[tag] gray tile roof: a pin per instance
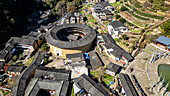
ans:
(19, 86)
(113, 67)
(104, 4)
(86, 83)
(52, 38)
(5, 51)
(127, 85)
(117, 24)
(3, 54)
(117, 50)
(101, 4)
(58, 74)
(75, 55)
(2, 63)
(17, 40)
(94, 60)
(15, 68)
(60, 87)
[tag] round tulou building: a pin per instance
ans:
(70, 38)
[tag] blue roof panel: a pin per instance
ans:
(163, 40)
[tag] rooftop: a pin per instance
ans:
(2, 63)
(53, 39)
(15, 68)
(19, 86)
(127, 85)
(60, 87)
(117, 50)
(117, 24)
(113, 67)
(56, 74)
(164, 40)
(94, 89)
(94, 60)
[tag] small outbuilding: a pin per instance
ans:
(113, 69)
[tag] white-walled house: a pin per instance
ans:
(115, 28)
(111, 49)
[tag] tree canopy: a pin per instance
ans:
(166, 29)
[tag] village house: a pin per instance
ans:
(95, 60)
(39, 37)
(85, 84)
(36, 19)
(23, 79)
(14, 70)
(115, 28)
(7, 52)
(30, 43)
(113, 69)
(51, 80)
(73, 17)
(162, 43)
(76, 63)
(2, 63)
(102, 11)
(38, 86)
(52, 74)
(95, 1)
(103, 15)
(109, 47)
(102, 6)
(127, 88)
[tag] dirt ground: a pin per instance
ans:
(139, 70)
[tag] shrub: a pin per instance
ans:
(117, 16)
(45, 60)
(15, 57)
(122, 20)
(19, 63)
(10, 62)
(138, 5)
(137, 16)
(125, 0)
(123, 8)
(44, 47)
(146, 14)
(124, 36)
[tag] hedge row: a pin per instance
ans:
(138, 5)
(137, 16)
(146, 14)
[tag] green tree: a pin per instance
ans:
(15, 57)
(117, 16)
(10, 62)
(44, 47)
(45, 60)
(123, 8)
(71, 6)
(122, 20)
(124, 36)
(166, 29)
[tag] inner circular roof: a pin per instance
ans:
(53, 39)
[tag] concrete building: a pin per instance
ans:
(70, 38)
(162, 42)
